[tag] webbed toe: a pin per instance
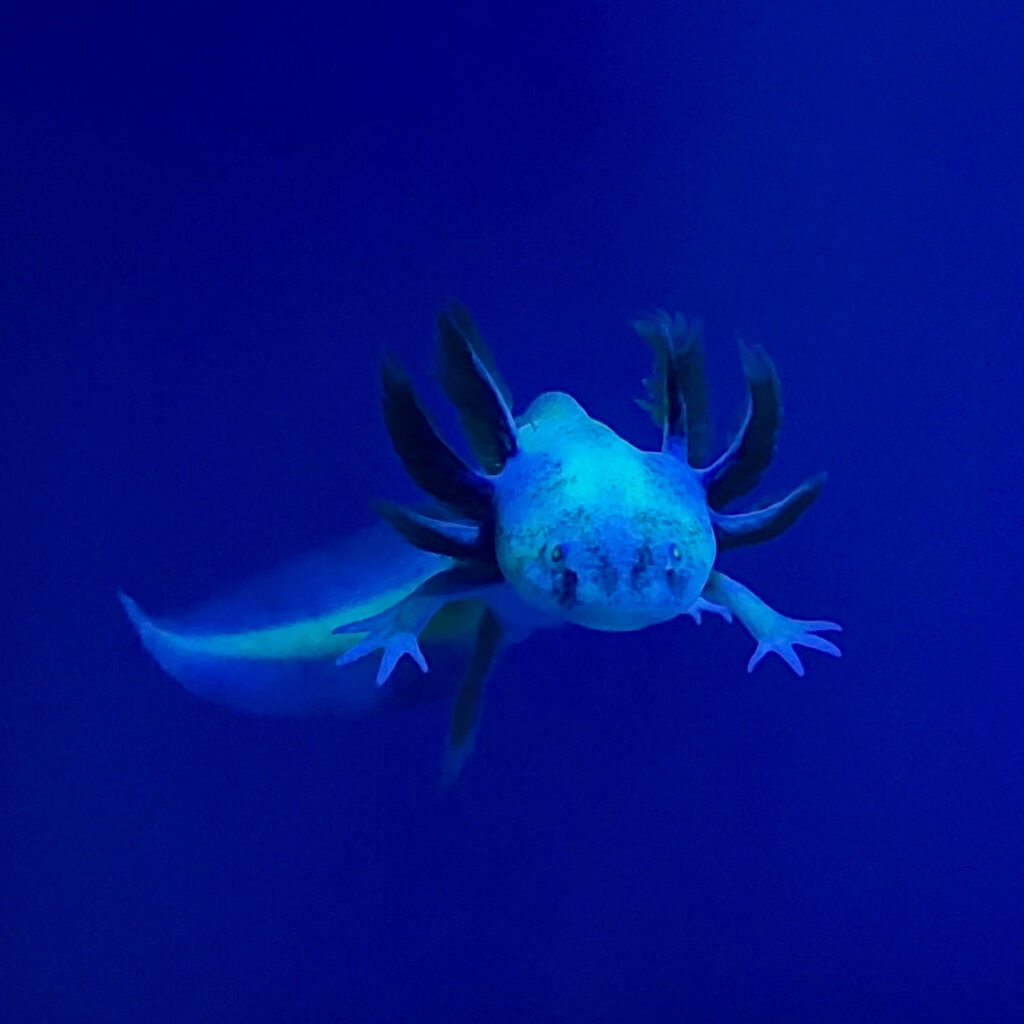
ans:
(787, 634)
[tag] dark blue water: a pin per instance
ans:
(213, 226)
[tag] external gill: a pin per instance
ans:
(679, 404)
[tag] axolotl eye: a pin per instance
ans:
(557, 553)
(676, 570)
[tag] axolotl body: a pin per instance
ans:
(562, 522)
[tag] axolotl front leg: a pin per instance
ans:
(772, 630)
(489, 610)
(395, 633)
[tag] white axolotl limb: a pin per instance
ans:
(772, 630)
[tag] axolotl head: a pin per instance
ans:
(591, 530)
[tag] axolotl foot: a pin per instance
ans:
(773, 631)
(785, 634)
(701, 605)
(395, 633)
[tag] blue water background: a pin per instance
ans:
(214, 224)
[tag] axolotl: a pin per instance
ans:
(561, 522)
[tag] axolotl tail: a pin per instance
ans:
(269, 646)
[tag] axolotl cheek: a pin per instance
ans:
(672, 572)
(547, 580)
(541, 571)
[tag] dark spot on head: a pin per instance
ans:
(640, 566)
(676, 580)
(607, 574)
(565, 587)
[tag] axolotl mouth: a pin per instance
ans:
(620, 581)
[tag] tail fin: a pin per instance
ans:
(268, 646)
